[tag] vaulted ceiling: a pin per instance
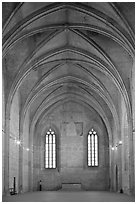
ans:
(58, 52)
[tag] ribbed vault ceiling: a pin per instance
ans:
(82, 52)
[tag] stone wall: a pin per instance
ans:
(3, 133)
(13, 145)
(26, 150)
(72, 122)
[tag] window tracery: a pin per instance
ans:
(92, 148)
(50, 149)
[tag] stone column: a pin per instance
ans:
(20, 166)
(6, 157)
(119, 158)
(132, 138)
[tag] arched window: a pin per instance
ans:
(92, 148)
(50, 149)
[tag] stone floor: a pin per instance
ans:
(69, 196)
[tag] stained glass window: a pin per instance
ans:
(92, 148)
(50, 149)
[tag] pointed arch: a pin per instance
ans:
(93, 159)
(50, 149)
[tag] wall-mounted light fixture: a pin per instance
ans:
(116, 146)
(18, 142)
(120, 142)
(112, 148)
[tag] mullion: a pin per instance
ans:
(97, 151)
(90, 150)
(52, 150)
(92, 136)
(50, 153)
(55, 164)
(45, 155)
(94, 148)
(55, 153)
(93, 145)
(55, 157)
(48, 150)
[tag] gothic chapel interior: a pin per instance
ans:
(68, 96)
